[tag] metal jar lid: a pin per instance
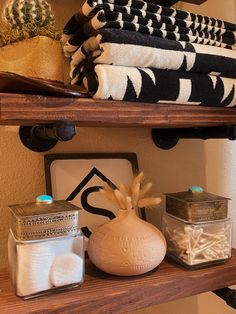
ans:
(196, 205)
(195, 194)
(44, 219)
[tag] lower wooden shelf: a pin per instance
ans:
(102, 293)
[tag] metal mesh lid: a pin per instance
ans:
(44, 218)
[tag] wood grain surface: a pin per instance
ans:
(18, 109)
(102, 293)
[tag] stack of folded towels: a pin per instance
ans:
(136, 50)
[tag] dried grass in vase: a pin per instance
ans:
(130, 197)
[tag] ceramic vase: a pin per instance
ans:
(126, 245)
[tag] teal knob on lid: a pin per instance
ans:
(44, 199)
(196, 189)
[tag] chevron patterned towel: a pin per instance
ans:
(126, 48)
(158, 86)
(148, 18)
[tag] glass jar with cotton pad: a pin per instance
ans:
(45, 247)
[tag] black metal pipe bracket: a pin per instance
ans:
(41, 138)
(168, 138)
(228, 295)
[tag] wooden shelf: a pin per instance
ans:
(29, 109)
(102, 293)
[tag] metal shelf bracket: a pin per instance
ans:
(41, 138)
(168, 138)
(228, 295)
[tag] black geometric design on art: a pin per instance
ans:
(93, 210)
(88, 177)
(84, 197)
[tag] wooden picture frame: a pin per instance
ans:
(78, 177)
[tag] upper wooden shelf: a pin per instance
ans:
(102, 293)
(30, 109)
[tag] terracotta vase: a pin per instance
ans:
(126, 245)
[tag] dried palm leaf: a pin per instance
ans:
(128, 197)
(150, 201)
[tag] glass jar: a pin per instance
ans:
(45, 247)
(197, 244)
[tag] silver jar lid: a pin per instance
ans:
(44, 218)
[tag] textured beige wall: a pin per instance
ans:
(21, 179)
(216, 8)
(182, 306)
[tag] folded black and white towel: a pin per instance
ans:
(130, 22)
(157, 86)
(126, 48)
(117, 14)
(169, 23)
(144, 8)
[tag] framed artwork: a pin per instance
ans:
(78, 178)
